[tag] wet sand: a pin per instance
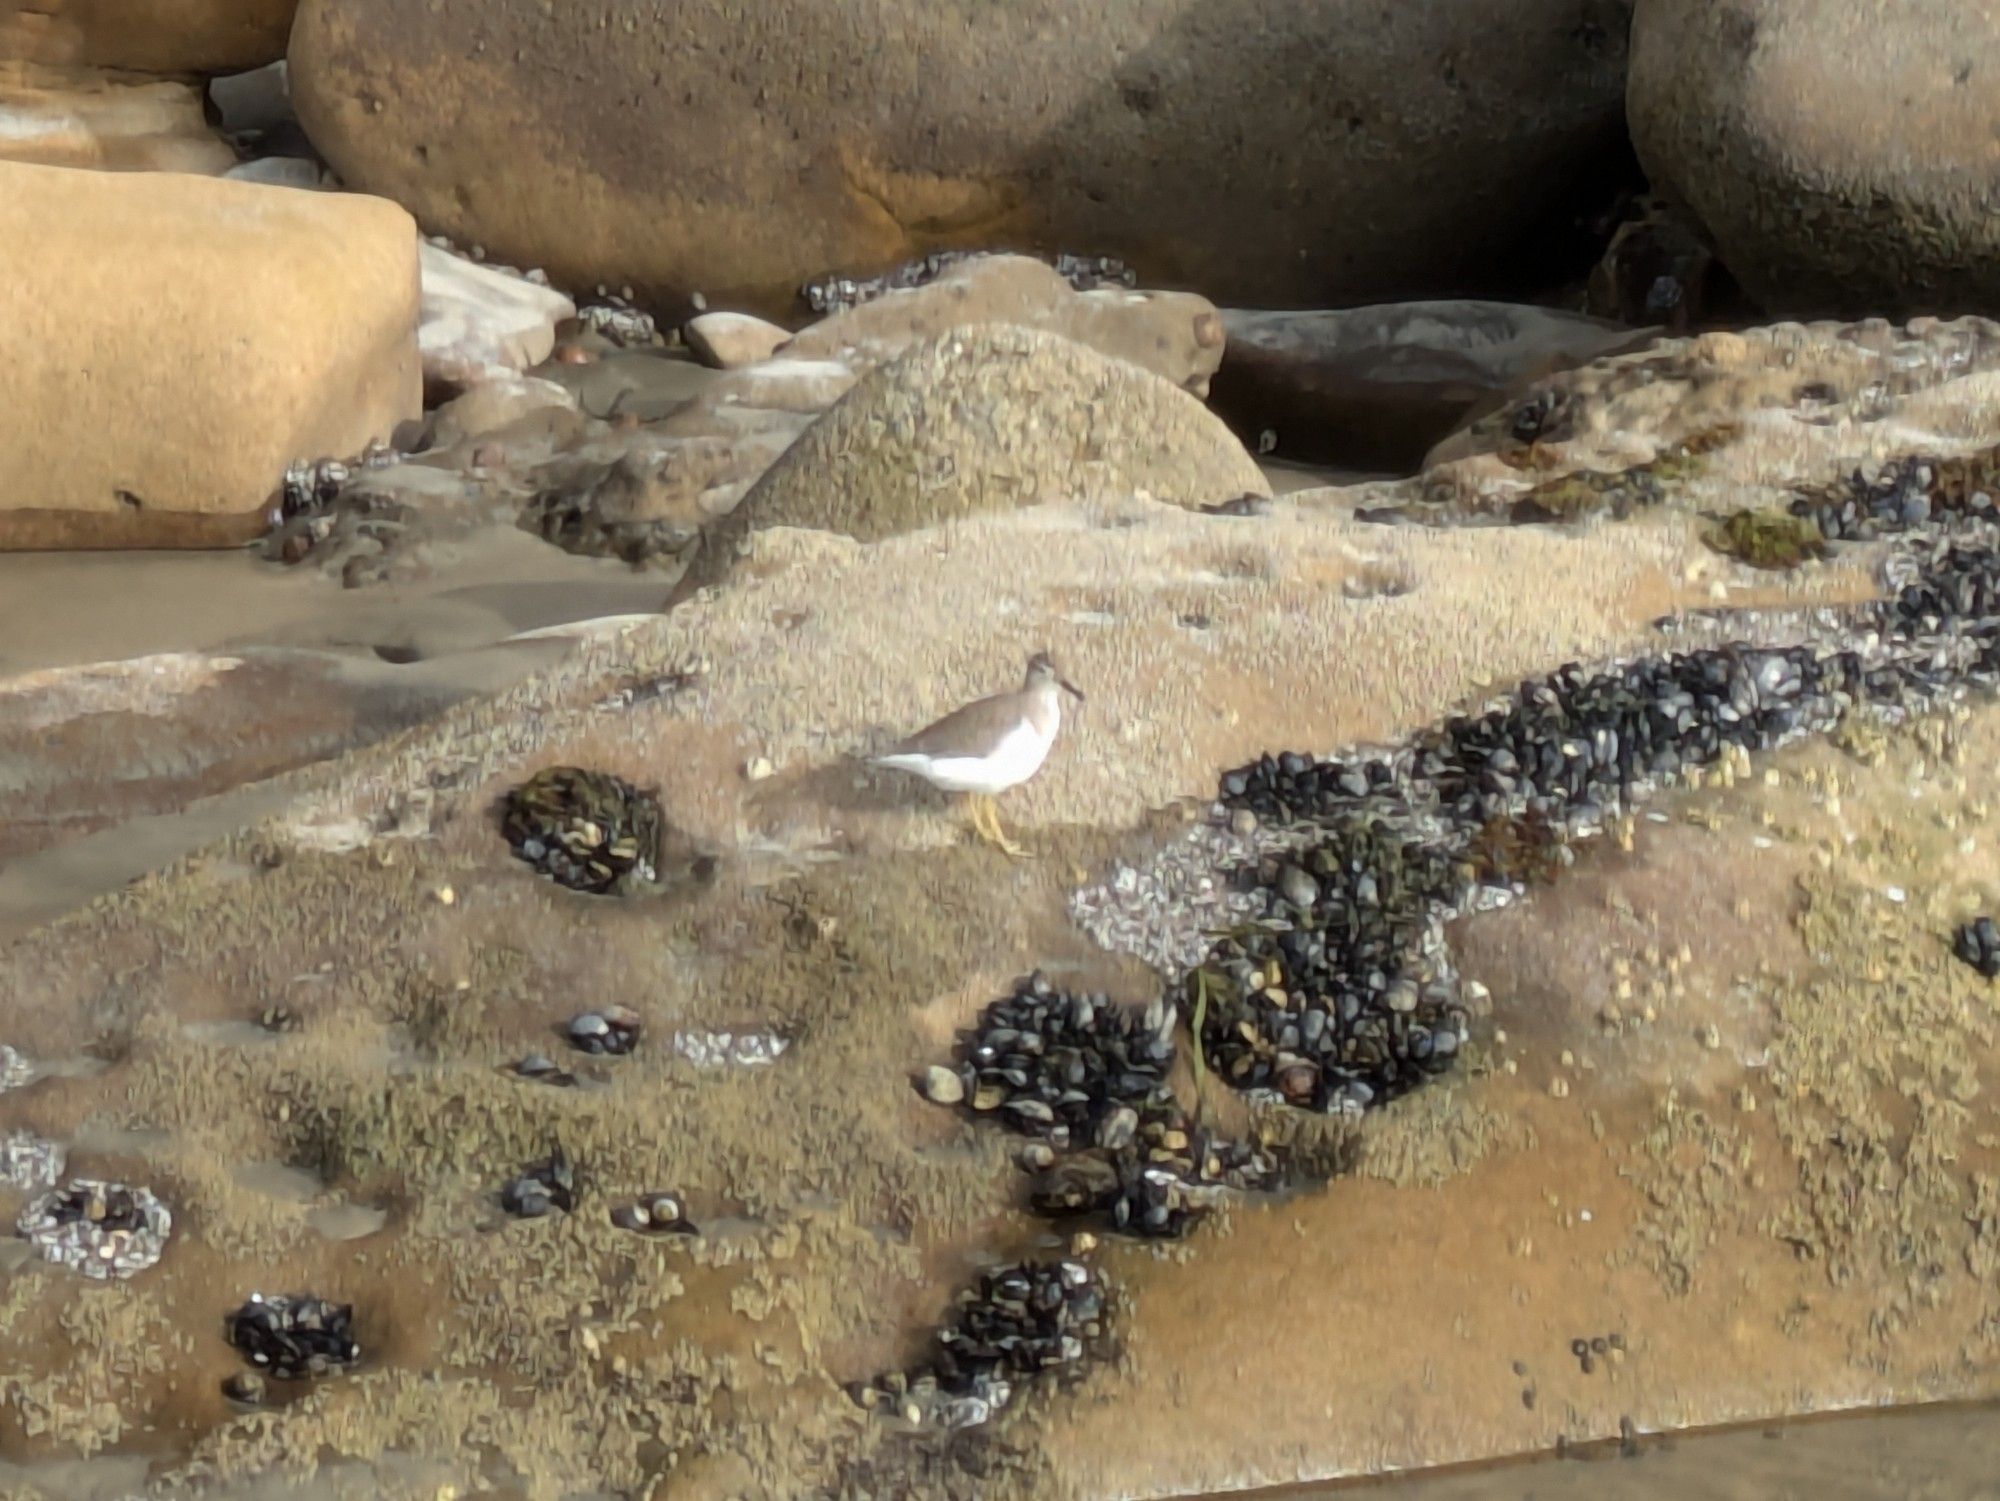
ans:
(260, 669)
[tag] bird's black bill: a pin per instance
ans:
(1071, 688)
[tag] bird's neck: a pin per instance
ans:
(1048, 701)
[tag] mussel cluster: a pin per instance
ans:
(613, 1030)
(1338, 1001)
(1978, 944)
(1342, 998)
(834, 294)
(541, 1187)
(1052, 1063)
(1088, 1080)
(293, 1338)
(612, 315)
(28, 1161)
(587, 830)
(1019, 1323)
(1153, 1172)
(1905, 493)
(103, 1230)
(312, 485)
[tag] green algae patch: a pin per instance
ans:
(1768, 539)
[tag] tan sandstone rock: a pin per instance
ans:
(1840, 154)
(987, 418)
(729, 341)
(1176, 335)
(148, 36)
(738, 150)
(83, 117)
(173, 343)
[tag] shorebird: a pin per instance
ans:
(990, 745)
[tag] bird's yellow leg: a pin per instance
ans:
(975, 816)
(987, 826)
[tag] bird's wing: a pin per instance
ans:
(951, 732)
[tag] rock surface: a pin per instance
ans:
(479, 323)
(1807, 403)
(845, 920)
(490, 406)
(1221, 147)
(1176, 335)
(1840, 155)
(729, 341)
(292, 317)
(81, 117)
(1376, 387)
(284, 172)
(986, 418)
(148, 36)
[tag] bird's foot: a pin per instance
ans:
(986, 824)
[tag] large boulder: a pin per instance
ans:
(1842, 155)
(148, 36)
(156, 398)
(82, 117)
(983, 419)
(1262, 151)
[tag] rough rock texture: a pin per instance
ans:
(80, 117)
(1375, 387)
(1840, 154)
(1787, 404)
(986, 418)
(148, 36)
(291, 318)
(1176, 335)
(738, 150)
(419, 957)
(479, 323)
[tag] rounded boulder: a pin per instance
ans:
(986, 418)
(1261, 151)
(148, 36)
(1841, 155)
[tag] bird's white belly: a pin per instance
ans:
(1018, 756)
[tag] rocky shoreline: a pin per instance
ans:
(1507, 963)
